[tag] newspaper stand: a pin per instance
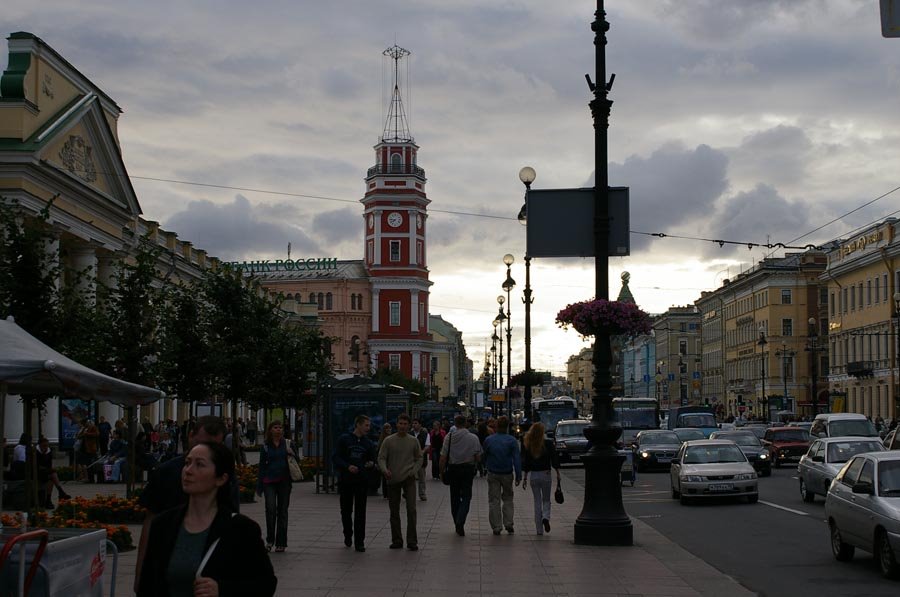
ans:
(66, 562)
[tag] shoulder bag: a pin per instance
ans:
(293, 465)
(558, 496)
(445, 474)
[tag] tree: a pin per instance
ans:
(184, 361)
(386, 376)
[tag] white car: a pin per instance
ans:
(863, 509)
(825, 459)
(712, 468)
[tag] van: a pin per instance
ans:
(842, 425)
(698, 417)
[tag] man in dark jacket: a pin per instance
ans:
(354, 458)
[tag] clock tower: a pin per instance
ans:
(395, 216)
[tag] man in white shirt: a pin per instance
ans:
(461, 452)
(424, 440)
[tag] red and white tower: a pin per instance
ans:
(395, 223)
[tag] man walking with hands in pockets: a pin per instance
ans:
(354, 458)
(400, 459)
(502, 458)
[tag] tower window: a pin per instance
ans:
(396, 163)
(394, 360)
(395, 312)
(395, 250)
(370, 252)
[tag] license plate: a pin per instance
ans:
(721, 487)
(576, 456)
(663, 460)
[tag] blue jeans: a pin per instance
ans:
(461, 478)
(278, 497)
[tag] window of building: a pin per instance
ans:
(421, 315)
(329, 301)
(868, 292)
(787, 327)
(370, 251)
(359, 302)
(853, 298)
(682, 347)
(845, 304)
(395, 250)
(312, 297)
(785, 296)
(420, 252)
(395, 312)
(831, 305)
(823, 296)
(788, 368)
(682, 326)
(321, 300)
(394, 360)
(396, 163)
(353, 302)
(860, 295)
(877, 290)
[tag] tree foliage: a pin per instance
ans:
(386, 376)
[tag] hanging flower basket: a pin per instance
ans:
(598, 316)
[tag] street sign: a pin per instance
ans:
(498, 398)
(695, 383)
(646, 377)
(671, 377)
(561, 223)
(890, 18)
(696, 375)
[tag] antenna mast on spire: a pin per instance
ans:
(396, 127)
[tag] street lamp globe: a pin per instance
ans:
(501, 299)
(812, 321)
(527, 175)
(508, 259)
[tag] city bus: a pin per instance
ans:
(551, 411)
(635, 414)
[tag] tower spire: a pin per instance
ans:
(396, 128)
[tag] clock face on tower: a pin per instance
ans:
(394, 219)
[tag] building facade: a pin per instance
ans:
(861, 281)
(580, 378)
(639, 367)
(678, 358)
(712, 347)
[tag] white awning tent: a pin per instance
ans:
(27, 365)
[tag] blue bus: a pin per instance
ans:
(551, 411)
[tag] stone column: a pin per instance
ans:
(416, 364)
(52, 249)
(414, 311)
(107, 269)
(83, 261)
(375, 310)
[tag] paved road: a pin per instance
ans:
(779, 546)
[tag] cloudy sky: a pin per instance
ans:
(747, 120)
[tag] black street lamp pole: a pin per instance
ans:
(527, 176)
(501, 317)
(508, 285)
(814, 364)
(603, 520)
(764, 403)
(897, 352)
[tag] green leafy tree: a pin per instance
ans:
(386, 376)
(184, 362)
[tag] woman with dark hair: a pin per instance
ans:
(20, 455)
(204, 549)
(538, 457)
(274, 482)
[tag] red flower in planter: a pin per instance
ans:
(590, 318)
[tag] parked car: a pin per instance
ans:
(756, 429)
(863, 509)
(757, 454)
(801, 424)
(699, 417)
(686, 434)
(824, 460)
(712, 468)
(571, 444)
(786, 444)
(842, 425)
(655, 448)
(892, 440)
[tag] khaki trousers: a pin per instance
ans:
(408, 489)
(500, 488)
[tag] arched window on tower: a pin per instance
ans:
(312, 297)
(329, 302)
(353, 302)
(396, 163)
(321, 301)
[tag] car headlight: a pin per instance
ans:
(763, 455)
(745, 476)
(560, 444)
(693, 479)
(645, 454)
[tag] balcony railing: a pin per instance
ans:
(396, 169)
(860, 368)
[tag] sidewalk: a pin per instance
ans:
(524, 564)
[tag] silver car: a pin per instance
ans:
(712, 468)
(824, 460)
(863, 509)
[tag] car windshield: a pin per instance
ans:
(686, 435)
(711, 454)
(570, 430)
(840, 452)
(757, 430)
(741, 439)
(697, 420)
(889, 478)
(790, 435)
(659, 438)
(858, 427)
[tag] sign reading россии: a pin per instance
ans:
(289, 265)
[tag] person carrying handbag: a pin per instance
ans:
(274, 482)
(538, 457)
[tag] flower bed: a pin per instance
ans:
(118, 534)
(247, 476)
(104, 509)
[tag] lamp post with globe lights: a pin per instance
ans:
(508, 285)
(501, 317)
(813, 348)
(527, 176)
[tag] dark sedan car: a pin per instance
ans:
(655, 448)
(751, 446)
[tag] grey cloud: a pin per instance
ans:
(288, 173)
(339, 226)
(778, 155)
(235, 231)
(339, 83)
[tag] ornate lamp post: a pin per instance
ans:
(508, 285)
(813, 348)
(786, 355)
(527, 176)
(501, 317)
(602, 520)
(764, 403)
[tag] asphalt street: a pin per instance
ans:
(779, 546)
